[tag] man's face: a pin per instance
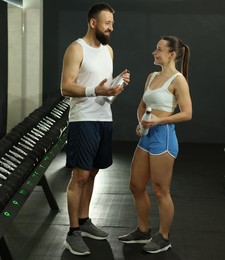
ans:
(104, 27)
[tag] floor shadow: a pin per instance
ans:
(135, 251)
(100, 250)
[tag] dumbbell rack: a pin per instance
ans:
(36, 175)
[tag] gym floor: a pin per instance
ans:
(198, 232)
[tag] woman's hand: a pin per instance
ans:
(150, 122)
(138, 130)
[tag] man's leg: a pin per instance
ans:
(87, 228)
(74, 241)
(87, 194)
(75, 191)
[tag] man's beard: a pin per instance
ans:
(102, 38)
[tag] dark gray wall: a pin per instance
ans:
(138, 27)
(3, 68)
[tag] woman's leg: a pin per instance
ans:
(161, 175)
(140, 175)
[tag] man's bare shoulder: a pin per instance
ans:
(110, 50)
(74, 47)
(74, 51)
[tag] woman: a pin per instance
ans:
(155, 153)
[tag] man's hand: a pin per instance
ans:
(103, 90)
(126, 76)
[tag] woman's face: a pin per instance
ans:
(162, 54)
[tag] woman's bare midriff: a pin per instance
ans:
(160, 113)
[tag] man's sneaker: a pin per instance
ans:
(157, 244)
(88, 229)
(136, 236)
(76, 245)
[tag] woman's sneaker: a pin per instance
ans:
(76, 245)
(157, 244)
(136, 236)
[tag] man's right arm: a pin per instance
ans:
(71, 64)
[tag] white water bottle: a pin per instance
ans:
(146, 116)
(117, 81)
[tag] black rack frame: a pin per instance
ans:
(36, 178)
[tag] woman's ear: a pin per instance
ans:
(173, 55)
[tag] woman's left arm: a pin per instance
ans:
(182, 94)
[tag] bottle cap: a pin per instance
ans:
(148, 110)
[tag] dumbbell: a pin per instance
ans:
(50, 119)
(33, 152)
(61, 107)
(10, 179)
(12, 158)
(5, 146)
(10, 183)
(24, 169)
(24, 145)
(60, 120)
(21, 170)
(7, 166)
(19, 145)
(66, 101)
(55, 114)
(10, 163)
(44, 139)
(53, 130)
(25, 151)
(57, 111)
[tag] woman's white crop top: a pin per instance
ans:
(161, 98)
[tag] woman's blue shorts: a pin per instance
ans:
(160, 139)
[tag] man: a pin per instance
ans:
(87, 65)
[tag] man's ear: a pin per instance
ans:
(92, 23)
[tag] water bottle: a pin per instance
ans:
(117, 81)
(146, 116)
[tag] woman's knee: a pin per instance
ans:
(136, 188)
(159, 191)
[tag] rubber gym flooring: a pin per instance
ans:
(198, 232)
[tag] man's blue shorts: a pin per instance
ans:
(89, 145)
(160, 139)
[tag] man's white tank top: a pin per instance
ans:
(96, 65)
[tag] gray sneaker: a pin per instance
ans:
(88, 229)
(76, 245)
(136, 236)
(157, 244)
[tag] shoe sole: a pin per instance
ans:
(67, 246)
(159, 250)
(85, 234)
(136, 241)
